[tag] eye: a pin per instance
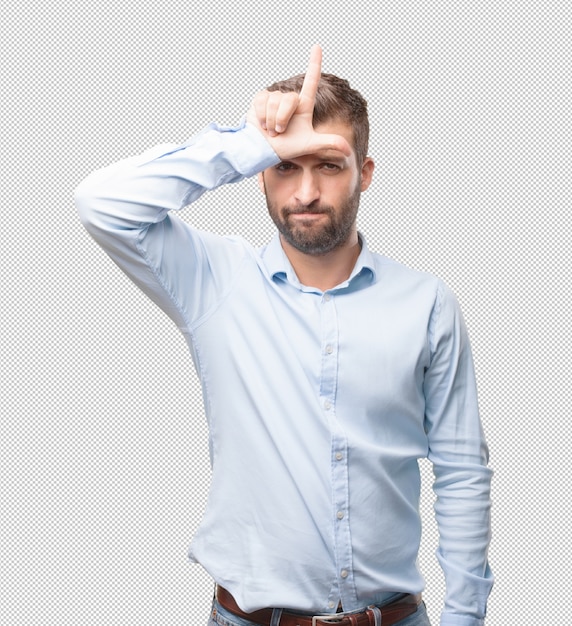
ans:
(330, 167)
(285, 166)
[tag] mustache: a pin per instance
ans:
(315, 209)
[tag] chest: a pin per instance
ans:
(368, 343)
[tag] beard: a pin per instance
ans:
(321, 236)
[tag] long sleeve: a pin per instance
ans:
(459, 454)
(125, 207)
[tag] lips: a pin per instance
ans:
(305, 211)
(305, 218)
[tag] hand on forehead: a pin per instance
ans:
(286, 118)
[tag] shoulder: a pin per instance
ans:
(389, 270)
(421, 290)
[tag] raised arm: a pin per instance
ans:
(126, 206)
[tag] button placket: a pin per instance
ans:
(339, 458)
(329, 369)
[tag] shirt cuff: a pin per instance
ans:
(246, 147)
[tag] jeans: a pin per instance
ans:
(221, 617)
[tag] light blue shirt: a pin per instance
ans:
(319, 404)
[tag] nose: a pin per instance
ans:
(308, 190)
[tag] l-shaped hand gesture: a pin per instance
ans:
(286, 118)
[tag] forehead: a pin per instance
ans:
(336, 126)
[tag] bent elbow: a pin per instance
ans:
(85, 200)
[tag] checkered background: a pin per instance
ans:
(103, 451)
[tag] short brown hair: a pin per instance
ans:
(335, 100)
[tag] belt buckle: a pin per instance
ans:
(334, 617)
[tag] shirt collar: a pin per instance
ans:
(278, 265)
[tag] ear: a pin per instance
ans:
(261, 185)
(366, 173)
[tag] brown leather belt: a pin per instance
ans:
(390, 613)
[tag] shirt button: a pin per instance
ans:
(340, 515)
(331, 604)
(339, 456)
(344, 573)
(327, 297)
(329, 349)
(327, 405)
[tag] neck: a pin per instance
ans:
(327, 270)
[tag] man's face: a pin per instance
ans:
(313, 199)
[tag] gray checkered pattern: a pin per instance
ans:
(103, 452)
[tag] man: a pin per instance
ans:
(327, 371)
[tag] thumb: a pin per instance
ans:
(292, 147)
(325, 141)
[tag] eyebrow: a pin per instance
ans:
(326, 156)
(331, 156)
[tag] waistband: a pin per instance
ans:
(387, 614)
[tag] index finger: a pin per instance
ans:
(313, 74)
